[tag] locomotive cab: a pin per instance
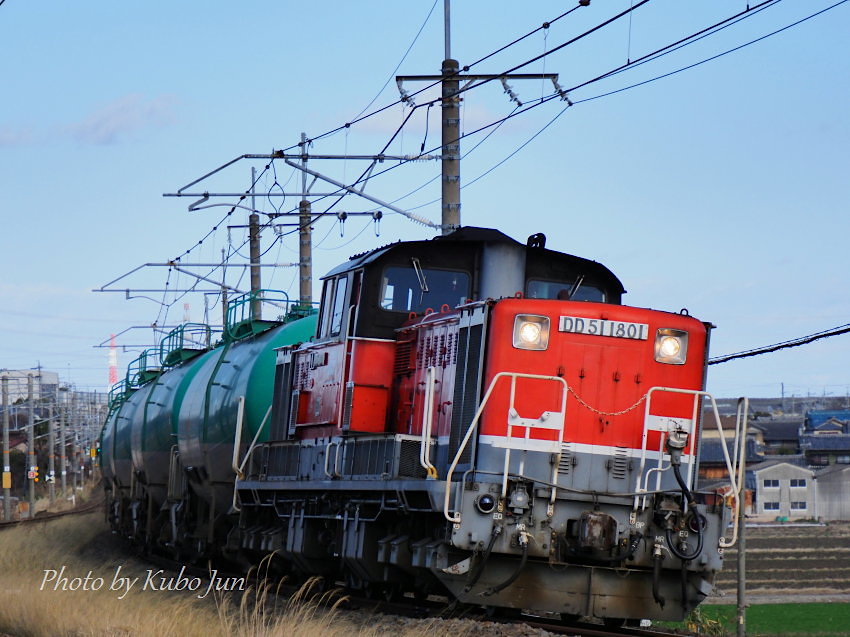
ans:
(345, 384)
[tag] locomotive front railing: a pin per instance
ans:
(552, 421)
(666, 425)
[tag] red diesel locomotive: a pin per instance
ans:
(485, 418)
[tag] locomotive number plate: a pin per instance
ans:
(601, 327)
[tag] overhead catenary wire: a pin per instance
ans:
(400, 62)
(562, 94)
(638, 61)
(796, 342)
(545, 25)
(663, 51)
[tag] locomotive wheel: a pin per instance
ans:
(570, 618)
(502, 611)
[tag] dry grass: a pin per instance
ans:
(32, 608)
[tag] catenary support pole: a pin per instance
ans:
(51, 455)
(32, 461)
(305, 239)
(223, 290)
(7, 468)
(63, 463)
(254, 241)
(450, 147)
(74, 430)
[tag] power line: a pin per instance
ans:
(713, 57)
(803, 340)
(537, 103)
(366, 176)
(401, 61)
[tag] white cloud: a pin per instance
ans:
(124, 117)
(14, 137)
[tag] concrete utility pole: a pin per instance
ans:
(450, 79)
(450, 129)
(51, 456)
(742, 546)
(63, 464)
(305, 238)
(451, 143)
(742, 566)
(7, 467)
(254, 242)
(223, 288)
(74, 427)
(33, 461)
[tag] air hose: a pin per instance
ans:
(686, 493)
(475, 575)
(657, 558)
(495, 589)
(680, 554)
(689, 497)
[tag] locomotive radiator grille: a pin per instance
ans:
(567, 458)
(382, 457)
(283, 460)
(618, 464)
(465, 401)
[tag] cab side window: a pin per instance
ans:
(338, 313)
(333, 311)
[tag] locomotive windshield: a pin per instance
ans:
(540, 289)
(409, 289)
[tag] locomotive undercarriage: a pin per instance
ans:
(584, 554)
(358, 510)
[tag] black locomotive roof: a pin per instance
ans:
(470, 235)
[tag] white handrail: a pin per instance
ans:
(337, 444)
(642, 481)
(427, 424)
(734, 465)
(473, 425)
(740, 452)
(239, 467)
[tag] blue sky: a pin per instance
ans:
(722, 189)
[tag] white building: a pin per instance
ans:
(44, 383)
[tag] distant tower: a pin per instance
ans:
(113, 361)
(185, 312)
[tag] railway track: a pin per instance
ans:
(432, 609)
(88, 507)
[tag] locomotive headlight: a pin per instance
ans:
(531, 331)
(671, 346)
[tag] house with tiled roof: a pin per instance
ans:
(781, 436)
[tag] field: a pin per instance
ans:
(774, 620)
(787, 565)
(38, 603)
